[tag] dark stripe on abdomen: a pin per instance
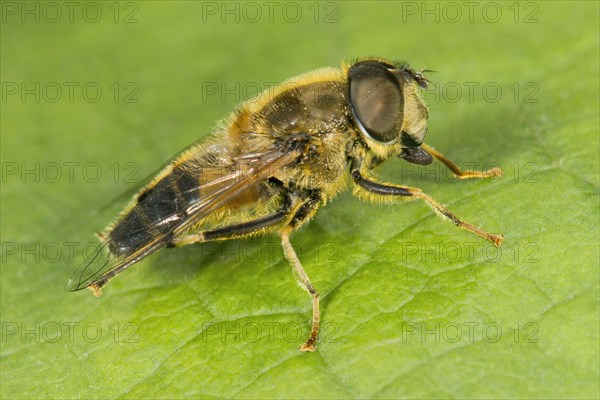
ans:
(158, 210)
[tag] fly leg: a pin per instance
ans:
(236, 231)
(375, 190)
(304, 207)
(304, 281)
(302, 215)
(460, 174)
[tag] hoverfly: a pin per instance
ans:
(274, 162)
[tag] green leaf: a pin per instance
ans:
(412, 307)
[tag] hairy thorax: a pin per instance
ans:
(311, 119)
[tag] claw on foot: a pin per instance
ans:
(97, 290)
(497, 240)
(308, 346)
(493, 172)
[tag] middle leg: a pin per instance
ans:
(302, 214)
(460, 174)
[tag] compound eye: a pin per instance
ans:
(376, 101)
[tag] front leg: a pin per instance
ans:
(460, 174)
(383, 191)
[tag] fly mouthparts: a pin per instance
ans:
(416, 155)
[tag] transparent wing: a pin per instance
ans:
(127, 194)
(143, 238)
